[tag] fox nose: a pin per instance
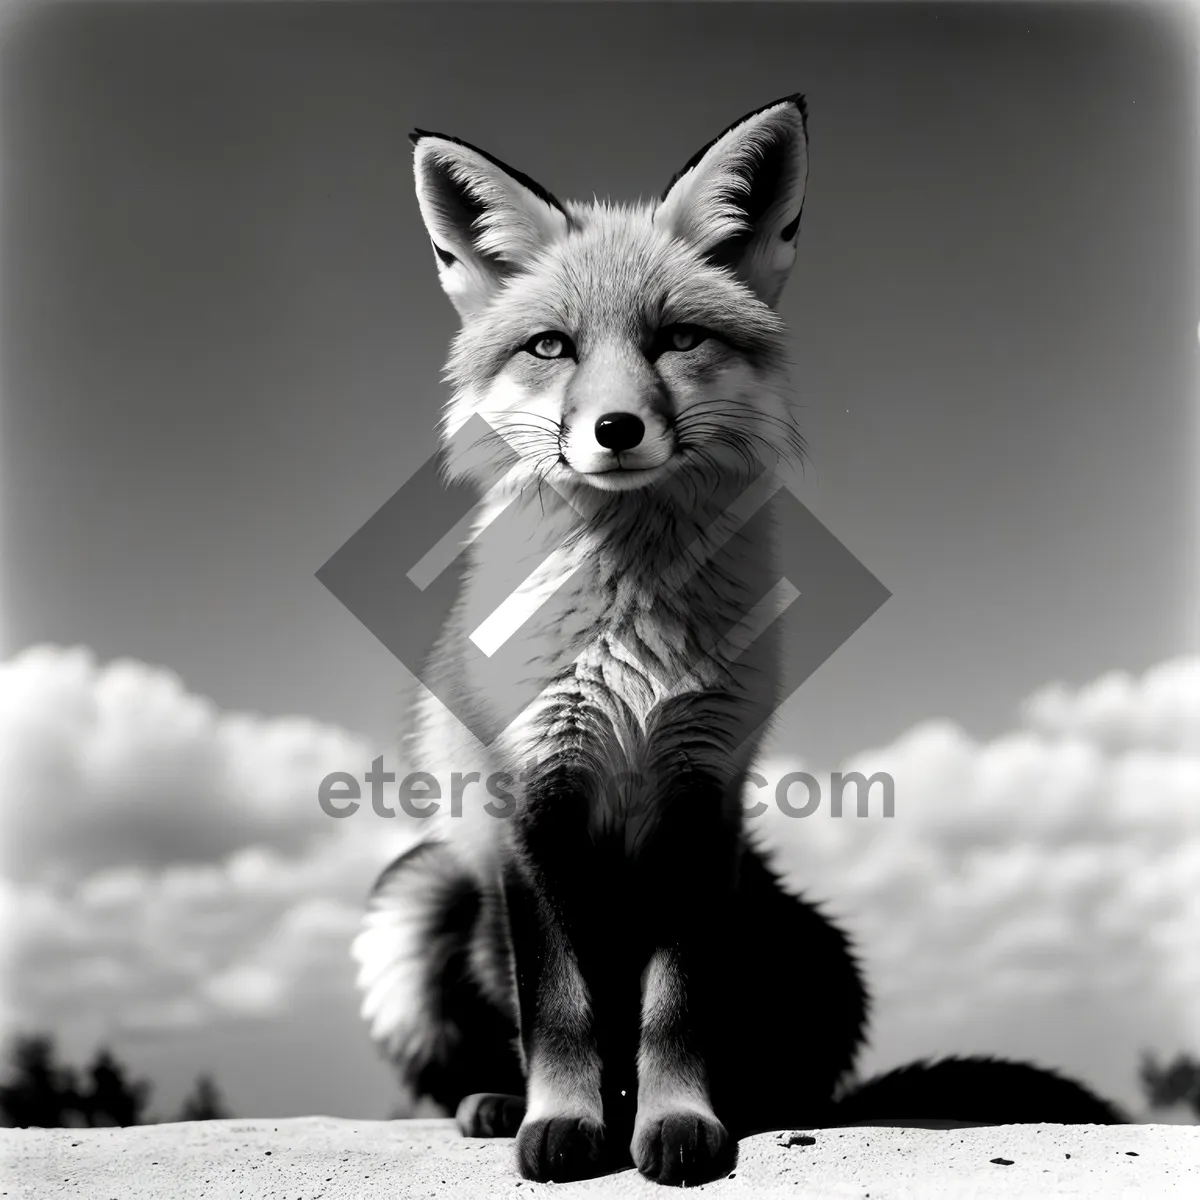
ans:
(619, 431)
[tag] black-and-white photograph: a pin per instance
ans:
(599, 594)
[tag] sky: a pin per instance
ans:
(220, 344)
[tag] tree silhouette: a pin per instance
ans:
(112, 1098)
(204, 1102)
(1176, 1082)
(38, 1090)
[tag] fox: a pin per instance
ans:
(607, 968)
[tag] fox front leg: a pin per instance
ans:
(562, 1135)
(687, 872)
(677, 1137)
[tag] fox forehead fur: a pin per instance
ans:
(710, 257)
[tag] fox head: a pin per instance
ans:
(612, 347)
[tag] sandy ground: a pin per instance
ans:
(363, 1160)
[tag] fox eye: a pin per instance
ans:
(550, 344)
(681, 338)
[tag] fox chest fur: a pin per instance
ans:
(623, 620)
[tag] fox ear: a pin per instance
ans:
(485, 219)
(739, 198)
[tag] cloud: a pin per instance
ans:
(131, 950)
(1037, 894)
(167, 865)
(1159, 710)
(121, 765)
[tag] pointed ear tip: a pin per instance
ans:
(418, 135)
(786, 107)
(798, 101)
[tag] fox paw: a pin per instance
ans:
(490, 1114)
(683, 1147)
(560, 1149)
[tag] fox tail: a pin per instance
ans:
(987, 1091)
(433, 993)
